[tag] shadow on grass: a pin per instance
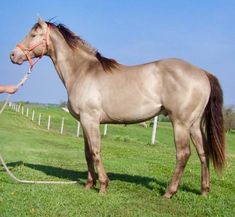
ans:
(148, 182)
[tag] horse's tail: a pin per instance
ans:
(214, 125)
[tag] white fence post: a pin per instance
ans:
(49, 122)
(154, 130)
(22, 110)
(39, 119)
(32, 116)
(27, 112)
(62, 126)
(105, 129)
(78, 128)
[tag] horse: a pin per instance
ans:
(101, 90)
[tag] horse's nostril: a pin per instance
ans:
(12, 54)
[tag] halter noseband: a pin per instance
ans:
(27, 51)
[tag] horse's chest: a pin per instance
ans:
(84, 99)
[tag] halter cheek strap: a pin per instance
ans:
(27, 50)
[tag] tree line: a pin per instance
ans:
(229, 118)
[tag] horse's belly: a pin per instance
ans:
(131, 96)
(131, 111)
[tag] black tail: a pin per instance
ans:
(214, 125)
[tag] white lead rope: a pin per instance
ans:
(5, 103)
(31, 181)
(21, 83)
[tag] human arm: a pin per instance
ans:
(8, 89)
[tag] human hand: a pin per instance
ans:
(11, 89)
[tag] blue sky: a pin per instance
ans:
(133, 32)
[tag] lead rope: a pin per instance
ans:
(21, 83)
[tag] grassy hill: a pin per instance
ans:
(139, 172)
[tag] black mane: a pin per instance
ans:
(74, 41)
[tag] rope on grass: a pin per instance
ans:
(21, 83)
(31, 181)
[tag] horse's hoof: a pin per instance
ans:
(102, 192)
(103, 187)
(168, 195)
(204, 193)
(89, 185)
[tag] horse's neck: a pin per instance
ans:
(68, 62)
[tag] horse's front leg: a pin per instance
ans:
(91, 176)
(90, 125)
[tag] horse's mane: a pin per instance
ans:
(74, 42)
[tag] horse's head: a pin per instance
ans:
(35, 44)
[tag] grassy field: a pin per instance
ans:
(139, 172)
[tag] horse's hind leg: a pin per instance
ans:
(197, 138)
(181, 134)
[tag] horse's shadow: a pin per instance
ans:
(148, 182)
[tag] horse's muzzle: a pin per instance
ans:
(17, 56)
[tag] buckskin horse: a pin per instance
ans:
(101, 90)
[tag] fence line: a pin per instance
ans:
(18, 107)
(32, 116)
(62, 126)
(49, 122)
(105, 129)
(27, 112)
(39, 119)
(78, 128)
(154, 130)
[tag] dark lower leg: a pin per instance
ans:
(103, 178)
(180, 165)
(91, 176)
(205, 175)
(182, 155)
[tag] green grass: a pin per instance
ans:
(139, 172)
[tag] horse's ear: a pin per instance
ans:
(41, 22)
